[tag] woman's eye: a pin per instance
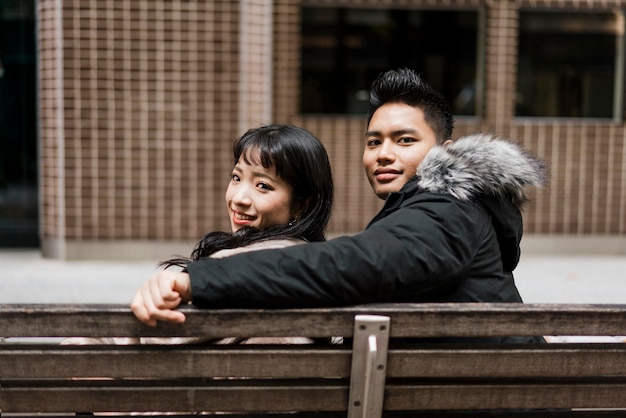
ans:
(264, 186)
(234, 177)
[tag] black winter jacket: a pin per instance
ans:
(451, 234)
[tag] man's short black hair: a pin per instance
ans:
(406, 86)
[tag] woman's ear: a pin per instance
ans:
(303, 207)
(448, 142)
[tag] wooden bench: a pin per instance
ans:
(370, 374)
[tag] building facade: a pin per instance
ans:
(140, 101)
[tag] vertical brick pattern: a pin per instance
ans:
(587, 190)
(500, 57)
(256, 51)
(51, 182)
(286, 47)
(150, 111)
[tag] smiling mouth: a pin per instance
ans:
(242, 218)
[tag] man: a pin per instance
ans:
(449, 230)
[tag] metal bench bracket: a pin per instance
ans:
(369, 366)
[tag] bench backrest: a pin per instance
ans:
(362, 378)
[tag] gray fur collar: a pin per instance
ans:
(481, 164)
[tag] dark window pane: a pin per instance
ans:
(18, 125)
(343, 50)
(566, 64)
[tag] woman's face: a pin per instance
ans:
(257, 197)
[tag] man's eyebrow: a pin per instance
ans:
(394, 133)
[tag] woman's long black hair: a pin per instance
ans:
(301, 160)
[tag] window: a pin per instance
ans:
(19, 210)
(344, 49)
(569, 65)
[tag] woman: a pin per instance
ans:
(280, 194)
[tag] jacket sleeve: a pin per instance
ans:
(418, 248)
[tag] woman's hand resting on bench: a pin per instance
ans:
(157, 298)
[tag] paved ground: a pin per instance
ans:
(26, 277)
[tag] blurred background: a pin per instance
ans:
(117, 117)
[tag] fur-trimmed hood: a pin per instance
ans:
(481, 164)
(484, 165)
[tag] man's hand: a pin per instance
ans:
(157, 298)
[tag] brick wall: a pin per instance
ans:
(138, 112)
(140, 101)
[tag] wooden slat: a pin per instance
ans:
(36, 362)
(178, 362)
(501, 395)
(506, 319)
(548, 360)
(330, 396)
(409, 320)
(178, 397)
(527, 413)
(593, 413)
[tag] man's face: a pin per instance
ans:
(397, 140)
